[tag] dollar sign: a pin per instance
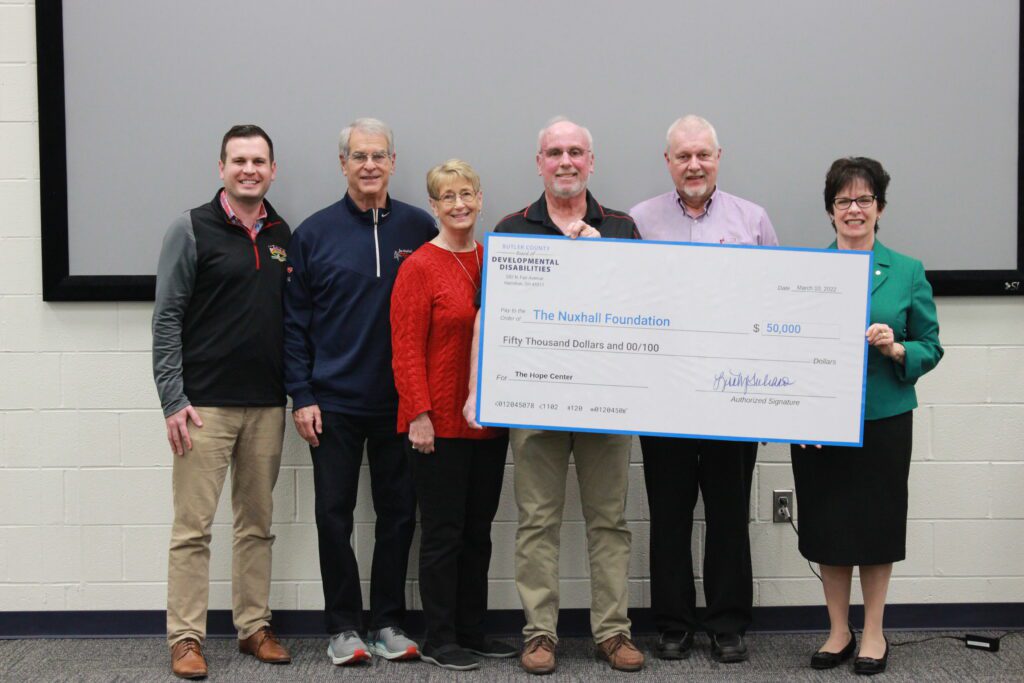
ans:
(757, 328)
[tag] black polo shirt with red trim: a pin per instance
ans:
(535, 220)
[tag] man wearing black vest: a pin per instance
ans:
(217, 362)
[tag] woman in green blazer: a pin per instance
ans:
(853, 501)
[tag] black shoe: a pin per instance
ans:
(869, 666)
(450, 657)
(674, 645)
(489, 647)
(728, 648)
(830, 660)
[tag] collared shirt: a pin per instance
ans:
(726, 219)
(535, 220)
(235, 220)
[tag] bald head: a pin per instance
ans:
(565, 158)
(562, 123)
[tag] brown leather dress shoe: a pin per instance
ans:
(620, 652)
(538, 655)
(264, 646)
(187, 660)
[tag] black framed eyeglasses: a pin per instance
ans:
(863, 201)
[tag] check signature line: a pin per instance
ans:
(583, 384)
(631, 327)
(761, 393)
(661, 355)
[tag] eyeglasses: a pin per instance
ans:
(362, 157)
(451, 199)
(555, 153)
(863, 201)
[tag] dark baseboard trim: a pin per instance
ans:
(572, 622)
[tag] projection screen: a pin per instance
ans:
(136, 94)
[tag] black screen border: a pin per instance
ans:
(60, 285)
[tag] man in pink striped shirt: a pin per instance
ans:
(696, 210)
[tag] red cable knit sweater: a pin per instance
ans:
(432, 316)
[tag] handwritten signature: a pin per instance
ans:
(745, 381)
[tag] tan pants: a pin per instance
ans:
(249, 441)
(602, 469)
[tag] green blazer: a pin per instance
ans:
(901, 298)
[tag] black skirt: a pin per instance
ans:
(851, 503)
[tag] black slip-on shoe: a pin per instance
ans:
(869, 666)
(830, 660)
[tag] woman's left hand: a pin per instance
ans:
(421, 433)
(882, 338)
(469, 412)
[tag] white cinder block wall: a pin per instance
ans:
(85, 478)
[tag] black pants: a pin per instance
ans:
(336, 465)
(458, 486)
(674, 469)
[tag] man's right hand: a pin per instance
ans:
(177, 429)
(580, 228)
(308, 423)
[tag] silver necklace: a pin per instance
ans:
(476, 287)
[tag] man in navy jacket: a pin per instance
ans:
(342, 266)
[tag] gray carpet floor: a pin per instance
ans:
(773, 657)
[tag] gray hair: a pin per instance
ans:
(691, 121)
(366, 125)
(562, 119)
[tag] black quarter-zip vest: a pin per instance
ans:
(232, 337)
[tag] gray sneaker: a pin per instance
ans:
(391, 642)
(347, 648)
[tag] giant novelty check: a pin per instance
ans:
(711, 341)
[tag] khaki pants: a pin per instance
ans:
(249, 441)
(602, 469)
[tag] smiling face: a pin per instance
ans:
(565, 160)
(692, 159)
(855, 225)
(247, 170)
(368, 167)
(457, 205)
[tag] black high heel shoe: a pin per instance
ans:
(869, 666)
(830, 660)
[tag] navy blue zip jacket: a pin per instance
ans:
(337, 302)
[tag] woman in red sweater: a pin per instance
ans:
(457, 470)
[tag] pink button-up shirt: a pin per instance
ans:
(726, 219)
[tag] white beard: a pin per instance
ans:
(563, 192)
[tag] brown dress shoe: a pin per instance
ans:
(187, 660)
(264, 646)
(538, 655)
(620, 652)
